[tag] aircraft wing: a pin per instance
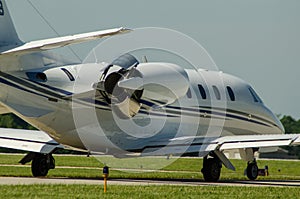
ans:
(27, 140)
(48, 44)
(258, 141)
(182, 145)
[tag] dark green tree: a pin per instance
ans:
(291, 126)
(13, 121)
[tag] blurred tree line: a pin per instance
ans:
(290, 124)
(14, 122)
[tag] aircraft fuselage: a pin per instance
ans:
(53, 100)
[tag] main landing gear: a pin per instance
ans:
(41, 163)
(212, 164)
(252, 170)
(248, 155)
(211, 168)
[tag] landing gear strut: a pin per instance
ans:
(211, 169)
(252, 170)
(247, 154)
(41, 163)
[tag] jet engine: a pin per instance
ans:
(126, 82)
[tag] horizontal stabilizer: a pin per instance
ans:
(48, 44)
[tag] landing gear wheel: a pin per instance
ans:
(41, 164)
(211, 169)
(252, 170)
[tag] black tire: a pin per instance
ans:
(211, 169)
(252, 171)
(39, 166)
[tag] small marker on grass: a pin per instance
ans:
(105, 176)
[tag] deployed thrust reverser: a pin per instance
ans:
(125, 82)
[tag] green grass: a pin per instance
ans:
(114, 191)
(188, 168)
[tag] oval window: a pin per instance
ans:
(217, 92)
(202, 91)
(230, 93)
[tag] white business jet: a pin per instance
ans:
(126, 108)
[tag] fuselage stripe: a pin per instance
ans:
(171, 111)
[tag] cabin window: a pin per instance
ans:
(1, 9)
(217, 92)
(70, 76)
(202, 91)
(254, 95)
(230, 93)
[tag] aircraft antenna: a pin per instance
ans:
(53, 29)
(145, 59)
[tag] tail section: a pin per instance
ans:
(8, 34)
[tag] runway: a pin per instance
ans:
(179, 182)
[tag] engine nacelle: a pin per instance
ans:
(126, 81)
(163, 82)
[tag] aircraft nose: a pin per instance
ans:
(280, 126)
